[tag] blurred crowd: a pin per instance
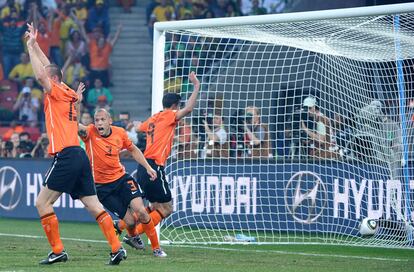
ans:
(170, 10)
(74, 34)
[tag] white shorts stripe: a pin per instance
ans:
(163, 182)
(50, 170)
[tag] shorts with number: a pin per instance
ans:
(154, 190)
(71, 173)
(117, 195)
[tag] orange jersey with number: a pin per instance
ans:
(103, 153)
(60, 117)
(160, 129)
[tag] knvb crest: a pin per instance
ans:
(305, 197)
(11, 188)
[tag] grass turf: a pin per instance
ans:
(23, 244)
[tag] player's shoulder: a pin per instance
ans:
(167, 113)
(117, 130)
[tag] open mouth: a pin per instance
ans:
(100, 129)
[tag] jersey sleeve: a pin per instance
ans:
(144, 126)
(58, 93)
(171, 117)
(88, 133)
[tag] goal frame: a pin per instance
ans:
(160, 29)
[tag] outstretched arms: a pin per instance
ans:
(37, 57)
(192, 101)
(116, 37)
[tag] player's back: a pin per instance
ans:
(103, 153)
(160, 129)
(61, 117)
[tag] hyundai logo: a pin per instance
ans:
(305, 197)
(11, 188)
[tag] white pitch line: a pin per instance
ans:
(229, 249)
(300, 253)
(42, 237)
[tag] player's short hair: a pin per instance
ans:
(55, 70)
(170, 99)
(104, 111)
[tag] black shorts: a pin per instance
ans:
(154, 190)
(71, 173)
(117, 195)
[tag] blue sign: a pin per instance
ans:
(313, 197)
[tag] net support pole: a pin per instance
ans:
(401, 91)
(157, 80)
(158, 70)
(286, 17)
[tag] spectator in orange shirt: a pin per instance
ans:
(14, 128)
(43, 36)
(99, 53)
(55, 21)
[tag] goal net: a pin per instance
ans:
(304, 127)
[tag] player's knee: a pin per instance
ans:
(167, 209)
(129, 221)
(143, 216)
(41, 204)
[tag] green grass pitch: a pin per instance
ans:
(23, 244)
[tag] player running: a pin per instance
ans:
(70, 171)
(160, 129)
(117, 190)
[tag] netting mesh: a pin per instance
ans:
(302, 130)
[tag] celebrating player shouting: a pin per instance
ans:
(70, 171)
(117, 190)
(160, 130)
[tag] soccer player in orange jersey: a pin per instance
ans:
(117, 190)
(70, 171)
(160, 129)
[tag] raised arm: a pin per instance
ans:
(37, 58)
(82, 32)
(116, 37)
(192, 101)
(82, 129)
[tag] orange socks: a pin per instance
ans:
(151, 233)
(132, 232)
(105, 223)
(156, 217)
(50, 225)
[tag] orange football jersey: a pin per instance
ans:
(160, 129)
(60, 117)
(103, 153)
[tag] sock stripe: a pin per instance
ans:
(47, 215)
(149, 221)
(100, 215)
(162, 216)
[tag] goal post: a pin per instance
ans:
(303, 127)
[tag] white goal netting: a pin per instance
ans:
(302, 130)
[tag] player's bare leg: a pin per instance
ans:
(164, 208)
(148, 226)
(50, 224)
(104, 220)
